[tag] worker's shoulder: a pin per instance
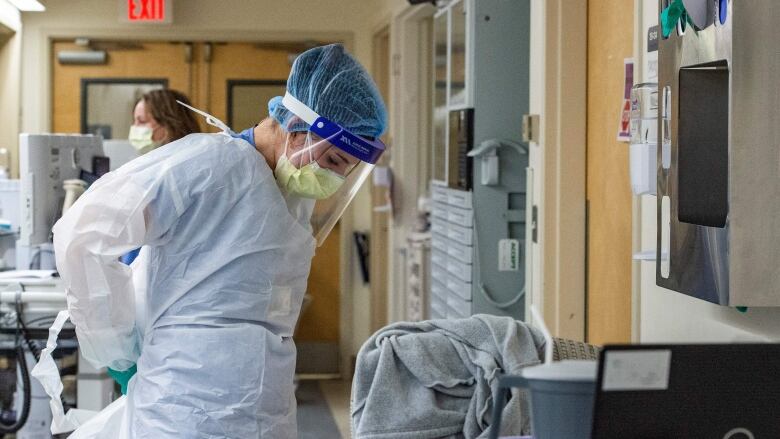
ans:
(210, 150)
(219, 145)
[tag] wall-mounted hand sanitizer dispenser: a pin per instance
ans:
(719, 153)
(643, 148)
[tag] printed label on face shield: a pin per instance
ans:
(508, 255)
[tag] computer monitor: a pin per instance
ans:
(45, 161)
(119, 152)
(729, 391)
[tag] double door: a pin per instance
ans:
(232, 81)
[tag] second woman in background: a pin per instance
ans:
(158, 119)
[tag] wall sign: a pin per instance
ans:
(624, 131)
(146, 11)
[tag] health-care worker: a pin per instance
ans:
(225, 221)
(159, 119)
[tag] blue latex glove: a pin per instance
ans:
(128, 258)
(122, 377)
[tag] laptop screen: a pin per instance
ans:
(688, 391)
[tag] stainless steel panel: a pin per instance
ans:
(735, 264)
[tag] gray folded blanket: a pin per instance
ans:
(434, 379)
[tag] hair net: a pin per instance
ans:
(333, 84)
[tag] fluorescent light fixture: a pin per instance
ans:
(28, 5)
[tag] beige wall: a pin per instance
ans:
(354, 21)
(10, 62)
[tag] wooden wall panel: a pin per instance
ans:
(610, 40)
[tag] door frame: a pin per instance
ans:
(410, 121)
(558, 89)
(10, 80)
(379, 265)
(37, 88)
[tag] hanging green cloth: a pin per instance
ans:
(671, 15)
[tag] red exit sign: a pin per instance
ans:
(147, 11)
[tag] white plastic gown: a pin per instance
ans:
(225, 265)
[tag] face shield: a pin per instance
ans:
(328, 163)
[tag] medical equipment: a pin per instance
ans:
(73, 190)
(34, 298)
(119, 152)
(46, 161)
(718, 215)
(478, 215)
(9, 226)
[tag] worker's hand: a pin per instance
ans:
(122, 377)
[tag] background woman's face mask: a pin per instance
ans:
(141, 138)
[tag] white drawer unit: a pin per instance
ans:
(463, 235)
(459, 198)
(440, 193)
(439, 273)
(461, 217)
(461, 252)
(439, 308)
(461, 307)
(459, 269)
(439, 258)
(439, 227)
(459, 288)
(439, 290)
(452, 257)
(441, 211)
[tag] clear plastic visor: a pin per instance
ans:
(304, 148)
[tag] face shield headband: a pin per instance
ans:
(363, 149)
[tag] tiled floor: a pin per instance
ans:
(315, 419)
(337, 394)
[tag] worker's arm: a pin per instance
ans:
(119, 213)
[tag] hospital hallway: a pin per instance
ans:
(323, 409)
(422, 219)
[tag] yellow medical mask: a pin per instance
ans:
(310, 181)
(141, 139)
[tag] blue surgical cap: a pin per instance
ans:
(333, 84)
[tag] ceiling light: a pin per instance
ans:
(28, 5)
